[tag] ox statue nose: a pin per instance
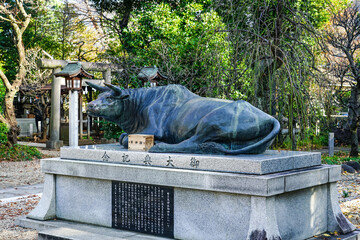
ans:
(91, 108)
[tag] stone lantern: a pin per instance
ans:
(73, 74)
(150, 74)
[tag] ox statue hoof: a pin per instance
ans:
(158, 147)
(123, 139)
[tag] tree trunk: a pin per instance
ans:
(266, 92)
(44, 126)
(354, 121)
(9, 114)
(14, 131)
(9, 111)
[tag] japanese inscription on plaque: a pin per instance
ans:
(147, 160)
(125, 158)
(170, 162)
(105, 157)
(194, 163)
(143, 208)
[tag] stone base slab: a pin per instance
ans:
(257, 185)
(292, 205)
(61, 229)
(54, 144)
(80, 231)
(272, 161)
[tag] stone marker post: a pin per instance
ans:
(31, 131)
(88, 127)
(73, 119)
(331, 144)
(81, 120)
(54, 142)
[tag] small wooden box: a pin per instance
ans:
(140, 142)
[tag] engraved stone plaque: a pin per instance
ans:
(143, 208)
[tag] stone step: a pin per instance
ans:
(72, 234)
(67, 230)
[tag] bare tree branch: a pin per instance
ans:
(5, 80)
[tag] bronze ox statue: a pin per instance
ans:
(184, 122)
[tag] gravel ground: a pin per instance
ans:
(13, 174)
(23, 173)
(9, 212)
(349, 197)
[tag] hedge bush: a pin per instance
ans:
(19, 153)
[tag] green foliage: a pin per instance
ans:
(322, 139)
(318, 11)
(8, 52)
(307, 141)
(338, 158)
(3, 133)
(54, 27)
(260, 51)
(111, 130)
(180, 39)
(45, 29)
(85, 137)
(19, 153)
(2, 94)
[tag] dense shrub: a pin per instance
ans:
(3, 133)
(343, 136)
(307, 142)
(19, 153)
(111, 130)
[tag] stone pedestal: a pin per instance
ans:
(54, 144)
(185, 197)
(73, 119)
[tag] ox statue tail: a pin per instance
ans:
(255, 148)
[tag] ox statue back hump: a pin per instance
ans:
(184, 122)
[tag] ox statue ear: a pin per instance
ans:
(97, 87)
(116, 90)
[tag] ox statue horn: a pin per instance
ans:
(116, 90)
(97, 87)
